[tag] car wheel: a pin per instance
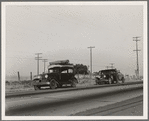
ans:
(101, 82)
(53, 84)
(36, 87)
(73, 84)
(97, 81)
(110, 81)
(59, 85)
(123, 80)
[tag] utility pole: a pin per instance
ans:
(31, 76)
(136, 39)
(112, 65)
(44, 60)
(38, 58)
(107, 67)
(18, 76)
(91, 60)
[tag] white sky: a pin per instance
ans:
(65, 32)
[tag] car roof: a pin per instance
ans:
(60, 66)
(108, 70)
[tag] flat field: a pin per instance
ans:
(26, 85)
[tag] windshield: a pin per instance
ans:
(63, 70)
(66, 70)
(107, 72)
(53, 70)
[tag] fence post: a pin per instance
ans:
(18, 76)
(31, 76)
(84, 75)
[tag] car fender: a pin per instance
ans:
(34, 81)
(74, 78)
(97, 77)
(50, 78)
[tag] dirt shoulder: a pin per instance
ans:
(26, 85)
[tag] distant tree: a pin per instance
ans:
(81, 69)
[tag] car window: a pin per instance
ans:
(54, 70)
(64, 71)
(70, 70)
(50, 71)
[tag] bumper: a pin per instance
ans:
(41, 83)
(101, 80)
(104, 79)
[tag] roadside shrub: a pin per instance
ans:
(7, 82)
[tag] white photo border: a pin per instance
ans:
(145, 64)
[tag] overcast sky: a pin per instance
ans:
(65, 31)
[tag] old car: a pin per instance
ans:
(109, 76)
(59, 73)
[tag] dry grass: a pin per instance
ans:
(16, 86)
(12, 86)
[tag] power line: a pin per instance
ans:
(38, 58)
(136, 39)
(91, 60)
(92, 26)
(19, 58)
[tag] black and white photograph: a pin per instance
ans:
(74, 60)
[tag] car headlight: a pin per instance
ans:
(98, 76)
(38, 77)
(46, 76)
(104, 76)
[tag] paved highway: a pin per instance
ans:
(129, 107)
(70, 103)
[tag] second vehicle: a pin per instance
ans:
(109, 76)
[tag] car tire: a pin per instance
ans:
(53, 84)
(123, 80)
(110, 81)
(60, 85)
(73, 84)
(36, 87)
(97, 81)
(101, 82)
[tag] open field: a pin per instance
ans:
(14, 86)
(26, 85)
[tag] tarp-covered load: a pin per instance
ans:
(60, 62)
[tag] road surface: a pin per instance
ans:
(70, 103)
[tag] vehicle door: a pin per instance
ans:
(54, 73)
(66, 74)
